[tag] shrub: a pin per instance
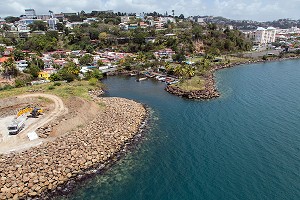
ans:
(55, 77)
(93, 81)
(6, 87)
(57, 84)
(51, 87)
(20, 83)
(265, 57)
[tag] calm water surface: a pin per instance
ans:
(243, 145)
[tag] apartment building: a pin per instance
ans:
(264, 36)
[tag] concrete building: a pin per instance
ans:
(30, 13)
(26, 21)
(22, 64)
(52, 23)
(264, 36)
(43, 17)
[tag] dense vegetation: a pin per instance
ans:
(104, 32)
(186, 38)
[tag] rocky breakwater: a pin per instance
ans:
(40, 171)
(208, 92)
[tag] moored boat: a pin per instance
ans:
(141, 79)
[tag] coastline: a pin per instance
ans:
(54, 168)
(210, 91)
(100, 168)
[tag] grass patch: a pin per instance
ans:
(51, 87)
(46, 100)
(101, 104)
(233, 59)
(65, 90)
(76, 88)
(195, 83)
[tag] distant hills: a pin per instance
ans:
(250, 24)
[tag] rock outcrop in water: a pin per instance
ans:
(41, 170)
(210, 91)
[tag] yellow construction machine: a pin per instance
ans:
(34, 111)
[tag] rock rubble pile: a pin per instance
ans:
(42, 169)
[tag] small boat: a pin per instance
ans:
(172, 82)
(149, 75)
(133, 74)
(162, 78)
(141, 79)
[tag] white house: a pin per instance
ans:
(52, 22)
(264, 36)
(22, 64)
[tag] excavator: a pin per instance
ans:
(34, 111)
(19, 122)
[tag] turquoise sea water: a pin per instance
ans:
(243, 145)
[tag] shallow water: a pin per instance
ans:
(243, 145)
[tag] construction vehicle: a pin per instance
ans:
(16, 126)
(18, 122)
(34, 111)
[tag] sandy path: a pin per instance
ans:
(21, 141)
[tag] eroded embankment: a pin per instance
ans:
(42, 169)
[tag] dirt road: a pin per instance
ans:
(21, 141)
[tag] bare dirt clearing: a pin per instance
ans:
(9, 106)
(59, 118)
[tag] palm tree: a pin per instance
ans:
(141, 57)
(190, 71)
(178, 70)
(9, 68)
(169, 68)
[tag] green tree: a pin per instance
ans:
(141, 57)
(18, 54)
(38, 26)
(33, 70)
(181, 16)
(100, 63)
(179, 57)
(10, 68)
(11, 19)
(37, 62)
(40, 43)
(5, 27)
(178, 70)
(55, 77)
(102, 36)
(52, 34)
(89, 49)
(95, 73)
(60, 27)
(69, 72)
(87, 59)
(2, 49)
(189, 70)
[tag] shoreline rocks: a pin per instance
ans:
(210, 90)
(42, 171)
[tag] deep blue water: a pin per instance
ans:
(243, 145)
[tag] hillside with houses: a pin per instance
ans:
(69, 46)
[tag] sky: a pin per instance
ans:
(258, 10)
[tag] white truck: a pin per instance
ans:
(16, 126)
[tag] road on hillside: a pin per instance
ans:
(20, 141)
